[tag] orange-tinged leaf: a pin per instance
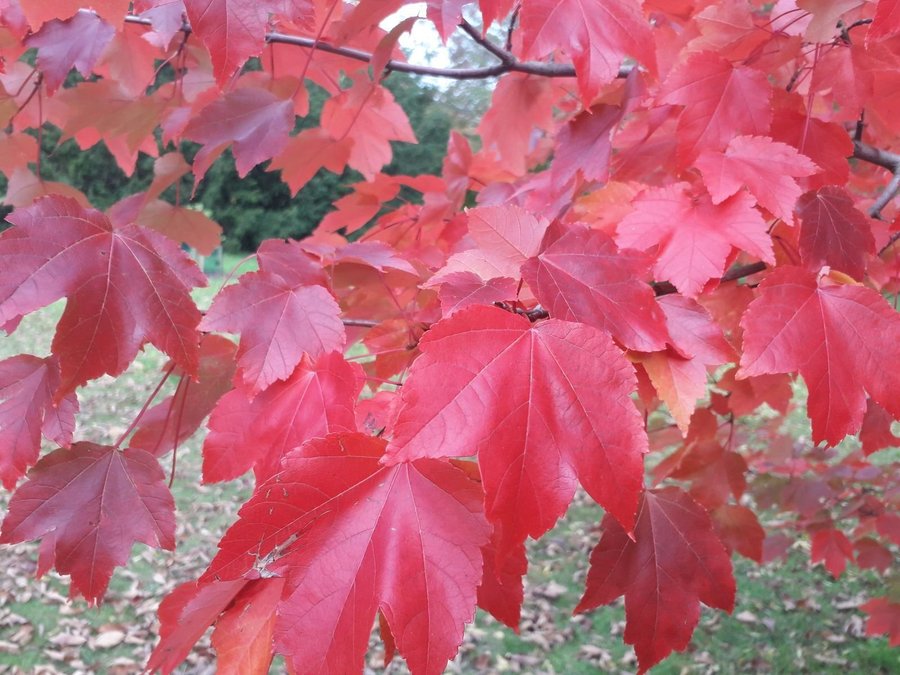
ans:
(184, 616)
(174, 420)
(243, 635)
(525, 399)
(837, 337)
(90, 503)
(505, 237)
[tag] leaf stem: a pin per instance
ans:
(143, 410)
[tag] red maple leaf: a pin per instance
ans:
(583, 276)
(506, 236)
(680, 374)
(834, 232)
(596, 34)
(721, 100)
(351, 536)
(125, 286)
(525, 399)
(674, 563)
(694, 236)
(280, 318)
(766, 167)
(74, 43)
(90, 503)
(27, 412)
(837, 337)
(232, 31)
(254, 120)
(884, 619)
(318, 398)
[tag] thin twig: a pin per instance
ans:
(498, 51)
(528, 67)
(887, 160)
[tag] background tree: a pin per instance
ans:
(665, 233)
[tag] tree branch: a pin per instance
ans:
(511, 66)
(887, 160)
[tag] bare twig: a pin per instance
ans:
(887, 160)
(528, 67)
(360, 323)
(501, 53)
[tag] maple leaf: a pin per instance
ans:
(39, 12)
(831, 547)
(27, 412)
(836, 337)
(720, 101)
(501, 590)
(506, 236)
(525, 399)
(887, 20)
(694, 236)
(519, 104)
(243, 635)
(674, 563)
(232, 31)
(90, 503)
(884, 619)
(279, 320)
(318, 398)
(184, 616)
(583, 276)
(405, 539)
(308, 152)
(179, 223)
(367, 115)
(596, 34)
(679, 375)
(875, 433)
(739, 529)
(77, 42)
(765, 166)
(255, 120)
(584, 145)
(174, 420)
(458, 290)
(125, 286)
(834, 232)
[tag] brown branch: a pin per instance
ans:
(887, 160)
(504, 55)
(360, 323)
(511, 66)
(735, 273)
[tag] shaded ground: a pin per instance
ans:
(789, 619)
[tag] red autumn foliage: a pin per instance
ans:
(668, 211)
